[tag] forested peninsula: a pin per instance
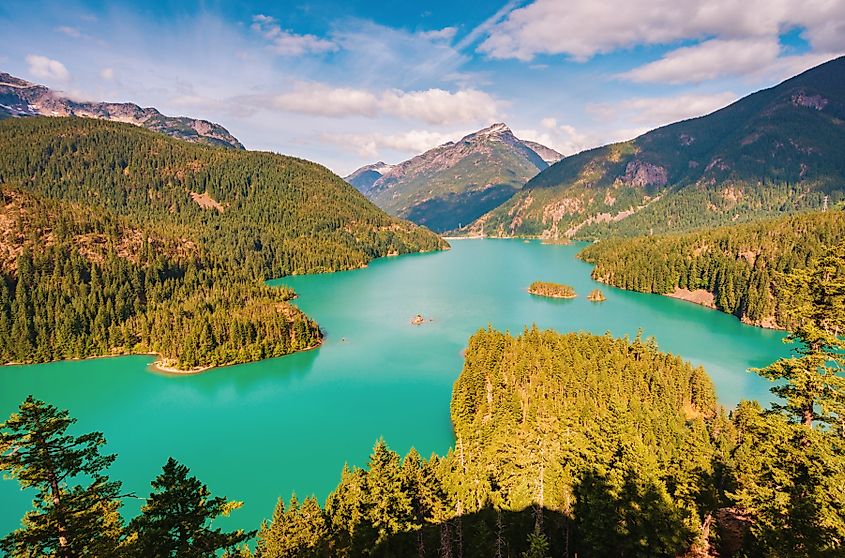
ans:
(120, 240)
(740, 269)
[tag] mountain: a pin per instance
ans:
(456, 182)
(549, 155)
(22, 98)
(777, 150)
(365, 178)
(115, 240)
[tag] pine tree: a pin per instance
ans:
(814, 385)
(389, 507)
(69, 519)
(538, 545)
(176, 520)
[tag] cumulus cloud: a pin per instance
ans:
(322, 100)
(651, 112)
(286, 42)
(563, 138)
(584, 28)
(709, 60)
(371, 145)
(47, 68)
(437, 106)
(719, 58)
(434, 106)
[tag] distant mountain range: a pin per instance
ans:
(455, 183)
(777, 150)
(19, 97)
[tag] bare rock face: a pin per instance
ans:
(19, 98)
(801, 99)
(639, 173)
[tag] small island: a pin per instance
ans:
(596, 296)
(552, 290)
(417, 320)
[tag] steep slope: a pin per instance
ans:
(365, 178)
(777, 150)
(549, 155)
(116, 240)
(454, 183)
(22, 98)
(738, 269)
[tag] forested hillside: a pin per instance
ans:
(742, 268)
(118, 240)
(775, 151)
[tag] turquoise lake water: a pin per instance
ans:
(257, 431)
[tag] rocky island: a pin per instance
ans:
(551, 290)
(596, 296)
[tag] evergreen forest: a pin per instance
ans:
(119, 240)
(566, 444)
(745, 267)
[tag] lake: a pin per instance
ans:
(257, 431)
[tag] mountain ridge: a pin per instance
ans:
(454, 182)
(21, 98)
(774, 151)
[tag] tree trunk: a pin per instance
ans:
(61, 525)
(807, 416)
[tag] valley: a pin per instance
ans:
(613, 330)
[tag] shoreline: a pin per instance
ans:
(159, 367)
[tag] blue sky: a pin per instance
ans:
(348, 83)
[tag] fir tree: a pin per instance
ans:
(69, 519)
(176, 520)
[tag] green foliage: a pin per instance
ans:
(175, 521)
(295, 532)
(74, 511)
(744, 266)
(280, 215)
(553, 290)
(609, 439)
(790, 480)
(814, 380)
(769, 153)
(109, 253)
(538, 545)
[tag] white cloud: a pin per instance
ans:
(70, 31)
(287, 43)
(47, 68)
(322, 100)
(445, 34)
(652, 112)
(584, 28)
(563, 138)
(434, 106)
(437, 106)
(709, 60)
(549, 122)
(107, 74)
(758, 57)
(371, 145)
